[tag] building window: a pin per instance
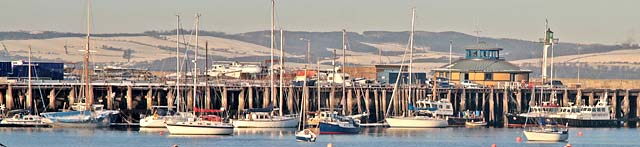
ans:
(488, 76)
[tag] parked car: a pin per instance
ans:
(469, 84)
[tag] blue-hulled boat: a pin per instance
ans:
(339, 125)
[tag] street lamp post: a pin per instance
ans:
(308, 49)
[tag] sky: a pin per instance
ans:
(579, 21)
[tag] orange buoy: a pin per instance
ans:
(493, 145)
(329, 145)
(568, 145)
(580, 133)
(161, 133)
(518, 139)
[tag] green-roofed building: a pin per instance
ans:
(483, 65)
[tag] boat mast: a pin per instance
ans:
(344, 64)
(206, 76)
(87, 79)
(413, 17)
(29, 95)
(178, 61)
(317, 86)
(195, 66)
(271, 86)
(281, 93)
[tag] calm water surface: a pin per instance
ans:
(371, 137)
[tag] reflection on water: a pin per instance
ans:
(38, 137)
(273, 132)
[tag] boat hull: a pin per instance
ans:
(416, 123)
(331, 128)
(518, 121)
(78, 119)
(476, 124)
(545, 136)
(276, 123)
(152, 123)
(306, 136)
(176, 129)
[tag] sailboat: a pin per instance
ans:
(205, 124)
(266, 117)
(417, 120)
(157, 119)
(305, 134)
(332, 123)
(83, 114)
(23, 117)
(547, 129)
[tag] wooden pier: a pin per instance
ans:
(134, 98)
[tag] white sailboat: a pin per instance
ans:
(417, 120)
(85, 114)
(157, 120)
(23, 117)
(266, 117)
(205, 124)
(547, 129)
(306, 134)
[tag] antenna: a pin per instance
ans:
(477, 30)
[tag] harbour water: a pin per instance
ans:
(371, 137)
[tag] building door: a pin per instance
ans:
(464, 76)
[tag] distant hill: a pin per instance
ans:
(155, 50)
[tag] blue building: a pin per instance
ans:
(39, 70)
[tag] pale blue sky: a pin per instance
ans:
(585, 21)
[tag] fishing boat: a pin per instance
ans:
(22, 118)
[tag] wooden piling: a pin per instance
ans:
(190, 99)
(491, 106)
(170, 99)
(625, 104)
(532, 101)
(367, 102)
(224, 103)
(21, 100)
(376, 100)
(149, 98)
(207, 97)
(519, 101)
(614, 104)
(565, 98)
(475, 101)
(383, 99)
(52, 99)
(349, 108)
(505, 106)
(592, 98)
(1, 98)
(463, 100)
(332, 96)
(290, 99)
(266, 96)
(129, 98)
(579, 97)
(250, 93)
(241, 100)
(358, 100)
(109, 97)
